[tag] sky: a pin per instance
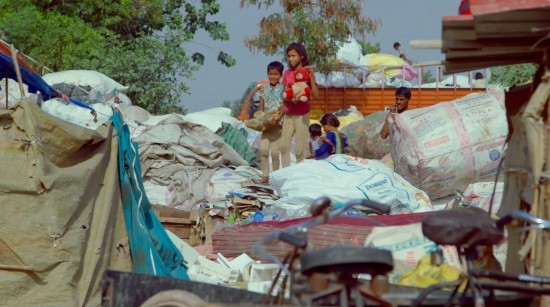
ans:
(401, 20)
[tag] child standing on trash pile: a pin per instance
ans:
(297, 113)
(271, 100)
(339, 142)
(316, 139)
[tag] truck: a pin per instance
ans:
(367, 100)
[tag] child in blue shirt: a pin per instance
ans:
(336, 142)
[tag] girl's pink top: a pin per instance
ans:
(294, 108)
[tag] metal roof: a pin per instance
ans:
(498, 32)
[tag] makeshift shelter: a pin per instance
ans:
(498, 32)
(73, 206)
(61, 221)
(504, 32)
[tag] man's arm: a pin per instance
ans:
(386, 128)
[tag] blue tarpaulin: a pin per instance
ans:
(152, 250)
(31, 79)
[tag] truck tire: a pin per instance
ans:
(174, 298)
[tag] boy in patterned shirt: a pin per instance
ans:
(271, 99)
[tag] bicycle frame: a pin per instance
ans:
(297, 237)
(479, 280)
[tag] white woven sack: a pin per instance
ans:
(450, 145)
(103, 87)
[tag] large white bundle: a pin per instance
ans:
(339, 79)
(212, 118)
(136, 113)
(449, 145)
(349, 52)
(122, 102)
(13, 93)
(102, 87)
(343, 178)
(75, 114)
(222, 111)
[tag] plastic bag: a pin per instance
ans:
(425, 274)
(263, 121)
(364, 136)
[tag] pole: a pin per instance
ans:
(7, 92)
(17, 71)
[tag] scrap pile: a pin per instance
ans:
(199, 169)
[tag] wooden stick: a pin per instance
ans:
(20, 268)
(7, 74)
(17, 71)
(427, 44)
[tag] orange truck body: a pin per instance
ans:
(367, 100)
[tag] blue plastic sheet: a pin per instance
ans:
(152, 251)
(32, 80)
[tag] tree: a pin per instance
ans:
(368, 48)
(427, 77)
(322, 26)
(235, 106)
(136, 42)
(513, 74)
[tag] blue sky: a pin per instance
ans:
(402, 20)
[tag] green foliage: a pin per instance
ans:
(368, 48)
(322, 26)
(427, 77)
(513, 74)
(135, 42)
(235, 106)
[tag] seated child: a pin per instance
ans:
(334, 142)
(315, 138)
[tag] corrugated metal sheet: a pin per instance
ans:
(350, 231)
(499, 32)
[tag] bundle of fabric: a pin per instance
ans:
(182, 157)
(364, 137)
(237, 138)
(400, 68)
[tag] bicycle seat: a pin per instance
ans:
(347, 260)
(462, 227)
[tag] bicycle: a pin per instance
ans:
(468, 229)
(328, 274)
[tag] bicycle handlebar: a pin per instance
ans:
(319, 207)
(523, 215)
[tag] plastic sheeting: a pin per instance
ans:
(152, 250)
(182, 157)
(364, 136)
(61, 224)
(376, 61)
(343, 178)
(30, 78)
(238, 139)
